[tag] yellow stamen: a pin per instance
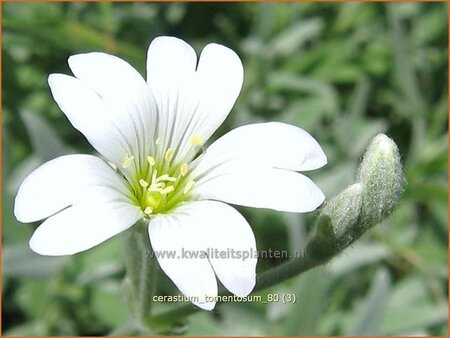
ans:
(148, 210)
(169, 154)
(151, 161)
(143, 183)
(196, 140)
(184, 169)
(188, 186)
(158, 140)
(166, 190)
(128, 162)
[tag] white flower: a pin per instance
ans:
(151, 134)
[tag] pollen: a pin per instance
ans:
(151, 161)
(184, 169)
(188, 186)
(143, 183)
(196, 140)
(169, 154)
(148, 210)
(128, 162)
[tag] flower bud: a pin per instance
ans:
(369, 201)
(344, 210)
(381, 177)
(337, 224)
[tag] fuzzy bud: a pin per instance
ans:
(381, 176)
(337, 225)
(347, 216)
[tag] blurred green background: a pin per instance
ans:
(342, 71)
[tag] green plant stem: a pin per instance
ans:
(147, 279)
(286, 271)
(141, 274)
(267, 279)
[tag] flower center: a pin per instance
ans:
(161, 184)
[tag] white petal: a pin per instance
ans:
(125, 94)
(209, 228)
(278, 189)
(247, 167)
(82, 227)
(191, 103)
(272, 144)
(64, 181)
(171, 66)
(169, 60)
(193, 275)
(231, 244)
(218, 82)
(87, 112)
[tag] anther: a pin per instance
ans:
(151, 161)
(166, 177)
(188, 186)
(143, 183)
(184, 169)
(155, 188)
(169, 154)
(158, 140)
(166, 190)
(196, 140)
(128, 162)
(158, 185)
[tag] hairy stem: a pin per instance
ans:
(141, 274)
(148, 279)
